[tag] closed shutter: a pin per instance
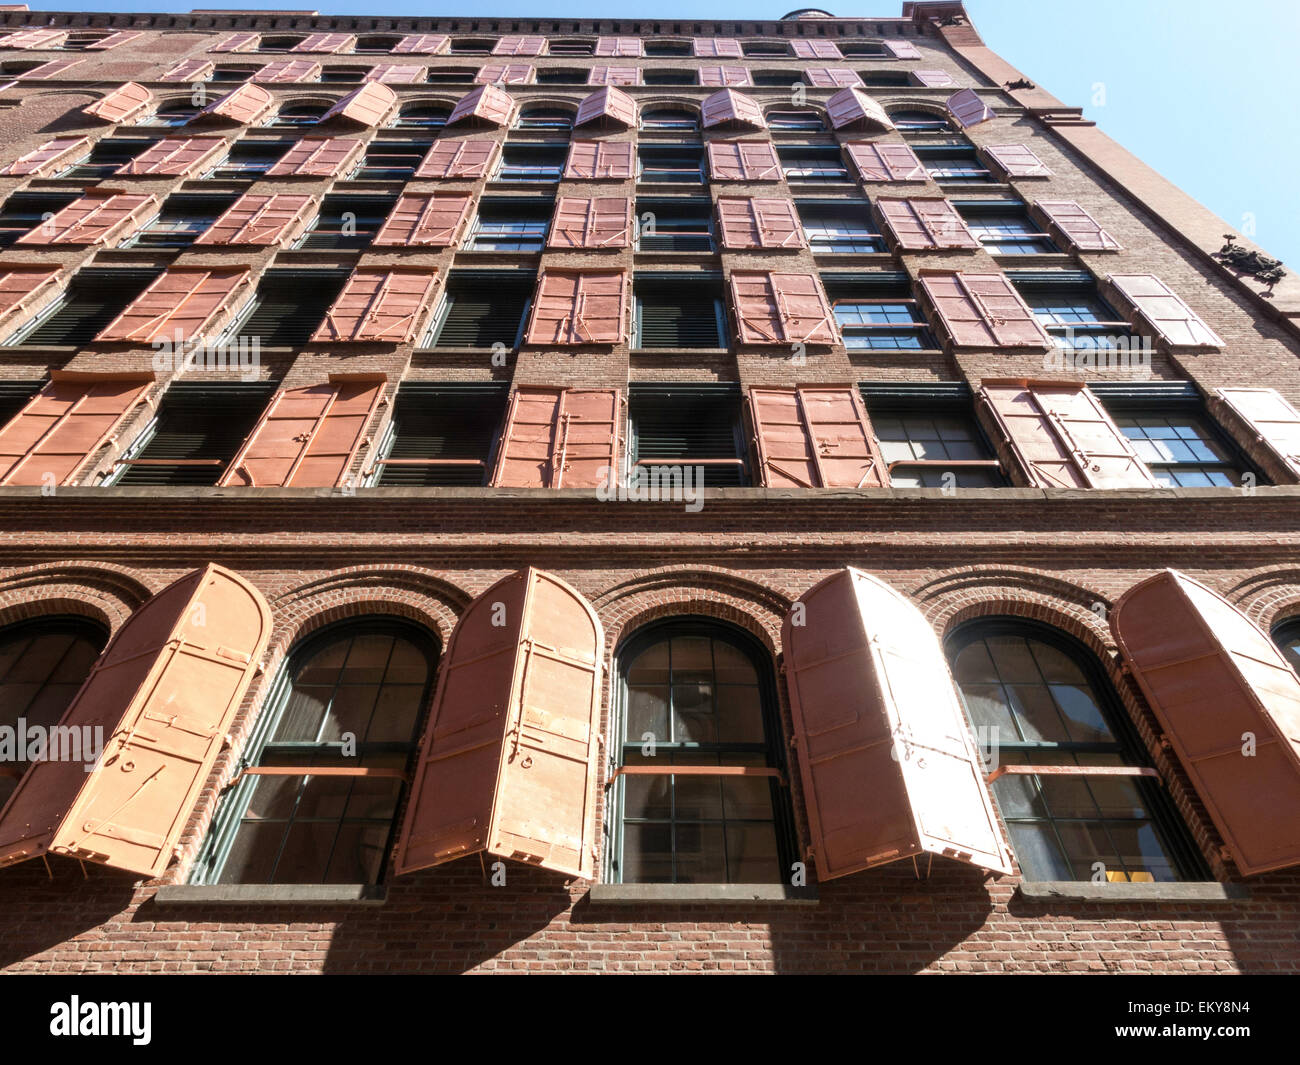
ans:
(423, 44)
(64, 425)
(1157, 305)
(308, 437)
(99, 217)
(854, 109)
(53, 69)
(1016, 160)
(239, 42)
(24, 290)
(122, 104)
(901, 49)
(34, 39)
(580, 307)
(982, 311)
(257, 219)
(319, 157)
(831, 78)
(1216, 681)
(509, 760)
(49, 157)
(610, 104)
(888, 765)
(247, 105)
(920, 225)
(486, 104)
(288, 71)
(782, 309)
(179, 304)
(1062, 436)
(886, 162)
(629, 47)
(1077, 226)
(816, 50)
(743, 161)
(559, 438)
(602, 222)
(378, 305)
(934, 79)
(1275, 422)
(190, 70)
(520, 46)
(717, 48)
(331, 43)
(968, 109)
(506, 74)
(759, 223)
(728, 108)
(369, 105)
(165, 692)
(817, 436)
(175, 157)
(614, 76)
(601, 160)
(426, 219)
(113, 40)
(725, 76)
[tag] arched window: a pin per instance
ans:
(542, 117)
(1039, 698)
(350, 700)
(172, 113)
(301, 113)
(795, 119)
(42, 664)
(1286, 634)
(669, 118)
(700, 694)
(423, 116)
(919, 122)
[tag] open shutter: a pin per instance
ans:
(614, 76)
(330, 43)
(854, 109)
(1275, 422)
(608, 103)
(601, 222)
(831, 78)
(580, 307)
(982, 311)
(506, 74)
(920, 225)
(901, 49)
(509, 761)
(759, 223)
(601, 160)
(191, 70)
(122, 104)
(49, 70)
(423, 44)
(782, 309)
(239, 42)
(1062, 436)
(486, 104)
(1171, 319)
(625, 47)
(246, 105)
(459, 159)
(743, 161)
(816, 50)
(886, 162)
(165, 692)
(178, 304)
(369, 105)
(24, 290)
(175, 157)
(934, 79)
(1213, 678)
(319, 157)
(100, 217)
(1016, 160)
(49, 157)
(516, 45)
(34, 39)
(968, 109)
(1076, 225)
(289, 71)
(728, 108)
(308, 437)
(64, 425)
(817, 436)
(258, 219)
(426, 219)
(114, 40)
(717, 48)
(888, 765)
(379, 305)
(725, 76)
(559, 438)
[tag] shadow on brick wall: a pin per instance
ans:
(57, 918)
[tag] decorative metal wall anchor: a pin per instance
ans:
(1244, 261)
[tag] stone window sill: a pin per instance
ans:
(271, 894)
(682, 894)
(1086, 891)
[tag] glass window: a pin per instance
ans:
(181, 221)
(683, 425)
(668, 118)
(668, 225)
(935, 449)
(480, 309)
(441, 434)
(669, 77)
(678, 314)
(545, 118)
(24, 211)
(1076, 318)
(888, 325)
(1181, 449)
(954, 166)
(794, 120)
(919, 122)
(840, 228)
(1007, 231)
(171, 113)
(301, 114)
(671, 164)
(346, 222)
(387, 160)
(812, 164)
(531, 164)
(1286, 634)
(423, 116)
(505, 227)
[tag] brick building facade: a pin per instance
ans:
(858, 275)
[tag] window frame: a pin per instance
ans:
(947, 400)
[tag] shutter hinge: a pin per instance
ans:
(1165, 743)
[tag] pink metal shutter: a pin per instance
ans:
(579, 307)
(608, 103)
(369, 105)
(759, 223)
(114, 40)
(888, 765)
(730, 108)
(45, 71)
(902, 49)
(614, 76)
(982, 311)
(1213, 677)
(319, 157)
(331, 43)
(559, 438)
(510, 756)
(122, 104)
(1062, 436)
(459, 159)
(934, 79)
(919, 225)
(604, 222)
(24, 290)
(49, 157)
(1173, 321)
(178, 304)
(426, 220)
(758, 161)
(165, 693)
(816, 50)
(1077, 226)
(262, 220)
(101, 216)
(1016, 160)
(725, 76)
(64, 425)
(378, 305)
(34, 39)
(175, 157)
(520, 46)
(597, 160)
(886, 162)
(717, 48)
(505, 74)
(853, 108)
(817, 436)
(239, 42)
(781, 309)
(968, 109)
(290, 71)
(486, 104)
(831, 78)
(1275, 422)
(189, 70)
(624, 47)
(423, 44)
(246, 105)
(308, 437)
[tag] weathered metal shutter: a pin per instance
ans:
(49, 157)
(239, 42)
(261, 220)
(725, 76)
(816, 50)
(459, 159)
(717, 48)
(901, 49)
(629, 47)
(614, 76)
(246, 105)
(730, 108)
(934, 79)
(332, 43)
(515, 45)
(832, 78)
(369, 105)
(175, 157)
(33, 40)
(1076, 225)
(113, 40)
(580, 307)
(559, 438)
(815, 436)
(1275, 421)
(505, 74)
(179, 304)
(759, 223)
(426, 219)
(396, 73)
(379, 305)
(1155, 302)
(968, 109)
(610, 104)
(920, 225)
(100, 217)
(190, 70)
(122, 104)
(319, 157)
(486, 104)
(596, 160)
(886, 162)
(49, 70)
(288, 70)
(600, 222)
(781, 309)
(982, 311)
(1016, 160)
(23, 290)
(854, 109)
(743, 161)
(423, 44)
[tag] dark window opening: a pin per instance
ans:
(674, 225)
(24, 211)
(442, 434)
(532, 164)
(666, 49)
(301, 114)
(929, 437)
(249, 159)
(839, 228)
(105, 158)
(423, 116)
(181, 221)
(1006, 229)
(288, 306)
(347, 222)
(953, 166)
(93, 298)
(481, 309)
(678, 313)
(561, 77)
(391, 160)
(812, 163)
(696, 425)
(671, 164)
(447, 76)
(669, 77)
(510, 225)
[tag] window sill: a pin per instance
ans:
(684, 894)
(1086, 891)
(271, 894)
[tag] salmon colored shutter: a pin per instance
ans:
(175, 157)
(968, 109)
(1016, 160)
(459, 159)
(45, 71)
(888, 765)
(717, 48)
(114, 40)
(559, 438)
(1175, 322)
(759, 223)
(165, 692)
(626, 47)
(262, 220)
(64, 425)
(506, 74)
(100, 217)
(487, 104)
(934, 79)
(319, 157)
(603, 222)
(902, 49)
(1213, 677)
(308, 437)
(854, 108)
(423, 44)
(378, 305)
(426, 219)
(608, 103)
(289, 71)
(580, 307)
(725, 76)
(179, 303)
(190, 70)
(830, 78)
(920, 225)
(239, 42)
(816, 50)
(782, 309)
(369, 105)
(817, 436)
(246, 105)
(34, 39)
(1062, 436)
(24, 290)
(122, 104)
(520, 46)
(509, 761)
(597, 160)
(728, 108)
(331, 43)
(1077, 226)
(743, 161)
(49, 157)
(982, 311)
(614, 76)
(1275, 422)
(886, 162)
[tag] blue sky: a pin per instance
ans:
(1202, 91)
